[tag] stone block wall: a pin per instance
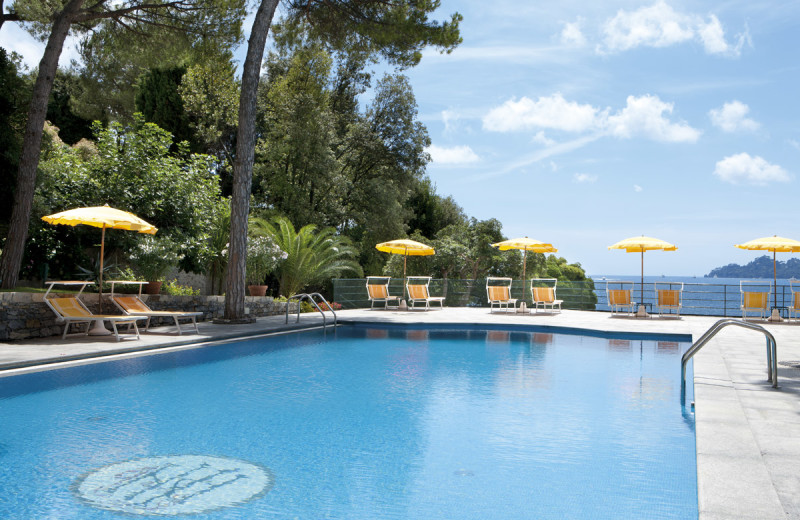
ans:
(26, 315)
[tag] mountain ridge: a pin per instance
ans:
(761, 267)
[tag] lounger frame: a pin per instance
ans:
(669, 299)
(133, 305)
(621, 300)
(71, 310)
(378, 292)
(544, 296)
(755, 301)
(498, 293)
(419, 293)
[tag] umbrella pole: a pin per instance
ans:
(102, 257)
(524, 265)
(774, 281)
(98, 329)
(641, 287)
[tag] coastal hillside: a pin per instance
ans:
(761, 267)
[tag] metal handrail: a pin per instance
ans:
(310, 297)
(772, 350)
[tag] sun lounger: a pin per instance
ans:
(498, 292)
(753, 300)
(71, 310)
(378, 292)
(132, 305)
(418, 292)
(620, 299)
(794, 308)
(669, 299)
(544, 296)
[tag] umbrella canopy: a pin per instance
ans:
(406, 248)
(775, 244)
(101, 217)
(525, 244)
(640, 245)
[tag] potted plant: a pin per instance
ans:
(263, 255)
(152, 259)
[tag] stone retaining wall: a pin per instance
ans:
(26, 315)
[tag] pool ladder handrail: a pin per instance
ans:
(772, 350)
(310, 297)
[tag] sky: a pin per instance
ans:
(583, 123)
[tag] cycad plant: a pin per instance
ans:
(313, 255)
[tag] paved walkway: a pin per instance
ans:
(748, 434)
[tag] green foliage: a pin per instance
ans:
(216, 257)
(153, 257)
(263, 256)
(321, 158)
(159, 100)
(313, 256)
(14, 97)
(396, 30)
(119, 49)
(173, 288)
(210, 94)
(133, 170)
(71, 126)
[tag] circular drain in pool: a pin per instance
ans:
(175, 485)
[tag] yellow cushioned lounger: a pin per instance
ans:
(378, 291)
(134, 306)
(418, 293)
(72, 310)
(500, 295)
(545, 297)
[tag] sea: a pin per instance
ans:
(701, 295)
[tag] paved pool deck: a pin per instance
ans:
(748, 433)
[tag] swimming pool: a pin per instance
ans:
(367, 423)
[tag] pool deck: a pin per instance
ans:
(748, 434)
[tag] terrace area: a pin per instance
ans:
(748, 434)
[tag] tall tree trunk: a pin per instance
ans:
(31, 147)
(243, 166)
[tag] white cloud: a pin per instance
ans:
(644, 115)
(659, 25)
(542, 139)
(571, 34)
(794, 143)
(637, 188)
(547, 112)
(742, 168)
(732, 117)
(453, 155)
(450, 120)
(584, 178)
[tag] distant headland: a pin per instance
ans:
(761, 267)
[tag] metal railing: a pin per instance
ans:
(351, 293)
(310, 298)
(698, 299)
(772, 350)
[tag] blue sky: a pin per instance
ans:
(584, 123)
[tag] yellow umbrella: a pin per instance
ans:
(406, 248)
(525, 244)
(102, 217)
(640, 245)
(775, 244)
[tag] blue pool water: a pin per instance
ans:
(364, 424)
